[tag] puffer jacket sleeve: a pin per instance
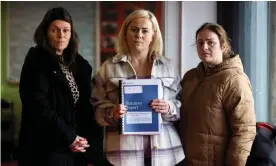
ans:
(99, 100)
(238, 103)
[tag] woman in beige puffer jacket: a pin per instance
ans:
(218, 123)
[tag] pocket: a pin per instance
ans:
(112, 86)
(168, 82)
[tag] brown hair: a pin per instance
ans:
(222, 35)
(41, 39)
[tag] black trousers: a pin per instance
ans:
(52, 159)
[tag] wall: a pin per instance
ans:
(171, 30)
(181, 20)
(193, 15)
(8, 91)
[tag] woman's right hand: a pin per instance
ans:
(119, 111)
(79, 145)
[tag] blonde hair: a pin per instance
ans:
(156, 46)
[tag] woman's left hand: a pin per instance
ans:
(160, 106)
(79, 145)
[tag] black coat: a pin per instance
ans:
(50, 122)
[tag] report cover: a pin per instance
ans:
(136, 94)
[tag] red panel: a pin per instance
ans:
(158, 13)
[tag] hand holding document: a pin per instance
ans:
(119, 111)
(160, 106)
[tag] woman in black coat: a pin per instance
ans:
(57, 117)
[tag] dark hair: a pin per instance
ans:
(222, 35)
(41, 37)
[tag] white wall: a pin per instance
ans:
(194, 14)
(171, 31)
(181, 20)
